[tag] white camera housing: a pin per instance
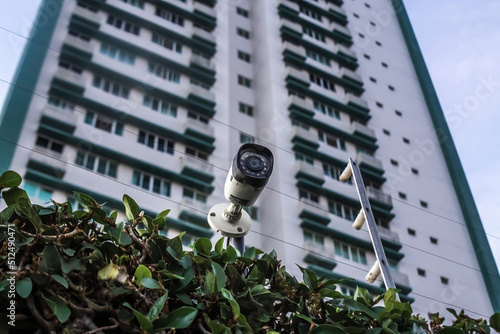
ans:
(249, 173)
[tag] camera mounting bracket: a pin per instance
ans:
(231, 220)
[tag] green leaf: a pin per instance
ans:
(179, 318)
(495, 322)
(310, 278)
(234, 305)
(51, 259)
(7, 213)
(13, 194)
(144, 322)
(329, 329)
(141, 272)
(132, 210)
(26, 210)
(10, 179)
(71, 264)
(353, 305)
(330, 293)
(203, 246)
(150, 283)
(220, 275)
(85, 200)
(24, 287)
(219, 246)
(362, 295)
(210, 284)
(303, 317)
(69, 251)
(450, 330)
(156, 308)
(58, 307)
(161, 219)
(229, 256)
(60, 280)
(110, 272)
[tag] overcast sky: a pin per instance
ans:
(461, 45)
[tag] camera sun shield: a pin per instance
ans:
(254, 165)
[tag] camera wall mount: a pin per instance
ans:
(231, 220)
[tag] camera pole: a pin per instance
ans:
(365, 214)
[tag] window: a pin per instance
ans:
(342, 210)
(406, 140)
(164, 72)
(150, 183)
(196, 153)
(197, 117)
(320, 81)
(135, 3)
(253, 211)
(115, 53)
(319, 58)
(367, 5)
(372, 23)
(308, 195)
(350, 252)
(367, 56)
(243, 33)
(412, 232)
(312, 14)
(70, 67)
(244, 81)
(380, 105)
(158, 105)
(402, 195)
(244, 138)
(399, 113)
(111, 87)
(166, 42)
(79, 35)
(394, 162)
(386, 132)
(241, 11)
(155, 142)
(384, 65)
(334, 172)
(391, 88)
(104, 123)
(414, 171)
(169, 16)
(331, 140)
(378, 43)
(97, 164)
(327, 110)
(314, 34)
(355, 15)
(433, 240)
(313, 238)
(373, 79)
(87, 6)
(424, 204)
(123, 25)
(347, 291)
(245, 109)
(194, 194)
(49, 144)
(361, 35)
(244, 56)
(61, 104)
(421, 272)
(444, 280)
(37, 191)
(305, 158)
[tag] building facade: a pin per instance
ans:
(153, 98)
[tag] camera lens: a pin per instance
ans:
(254, 163)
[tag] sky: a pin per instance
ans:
(460, 41)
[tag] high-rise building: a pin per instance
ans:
(153, 98)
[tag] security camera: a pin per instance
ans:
(251, 168)
(249, 173)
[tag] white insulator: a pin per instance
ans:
(373, 273)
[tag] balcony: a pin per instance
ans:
(294, 7)
(94, 17)
(339, 12)
(358, 129)
(303, 106)
(304, 136)
(341, 33)
(204, 10)
(63, 116)
(289, 49)
(195, 164)
(318, 256)
(48, 162)
(192, 125)
(400, 278)
(80, 44)
(298, 76)
(313, 211)
(202, 62)
(387, 234)
(313, 173)
(202, 94)
(364, 159)
(193, 206)
(356, 103)
(294, 29)
(70, 76)
(350, 77)
(203, 35)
